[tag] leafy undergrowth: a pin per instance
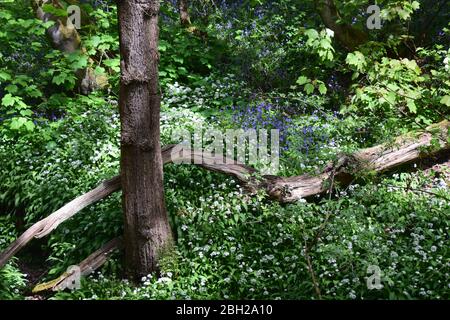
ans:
(264, 65)
(233, 247)
(229, 245)
(12, 281)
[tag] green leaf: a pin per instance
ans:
(312, 33)
(391, 98)
(411, 106)
(445, 100)
(5, 76)
(8, 100)
(59, 79)
(309, 88)
(47, 8)
(322, 88)
(29, 125)
(95, 41)
(80, 63)
(162, 46)
(26, 112)
(302, 80)
(356, 59)
(18, 122)
(12, 88)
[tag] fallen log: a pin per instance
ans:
(48, 224)
(84, 268)
(380, 158)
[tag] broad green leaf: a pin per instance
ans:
(18, 122)
(4, 76)
(29, 125)
(8, 100)
(356, 59)
(322, 88)
(312, 33)
(309, 88)
(445, 100)
(411, 105)
(12, 88)
(48, 8)
(302, 80)
(26, 112)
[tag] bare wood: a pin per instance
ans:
(380, 158)
(48, 224)
(291, 189)
(86, 267)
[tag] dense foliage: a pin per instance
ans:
(243, 64)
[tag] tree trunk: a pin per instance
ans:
(346, 34)
(185, 20)
(147, 231)
(64, 37)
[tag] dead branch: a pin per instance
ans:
(380, 158)
(85, 267)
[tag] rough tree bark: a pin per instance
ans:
(347, 35)
(147, 230)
